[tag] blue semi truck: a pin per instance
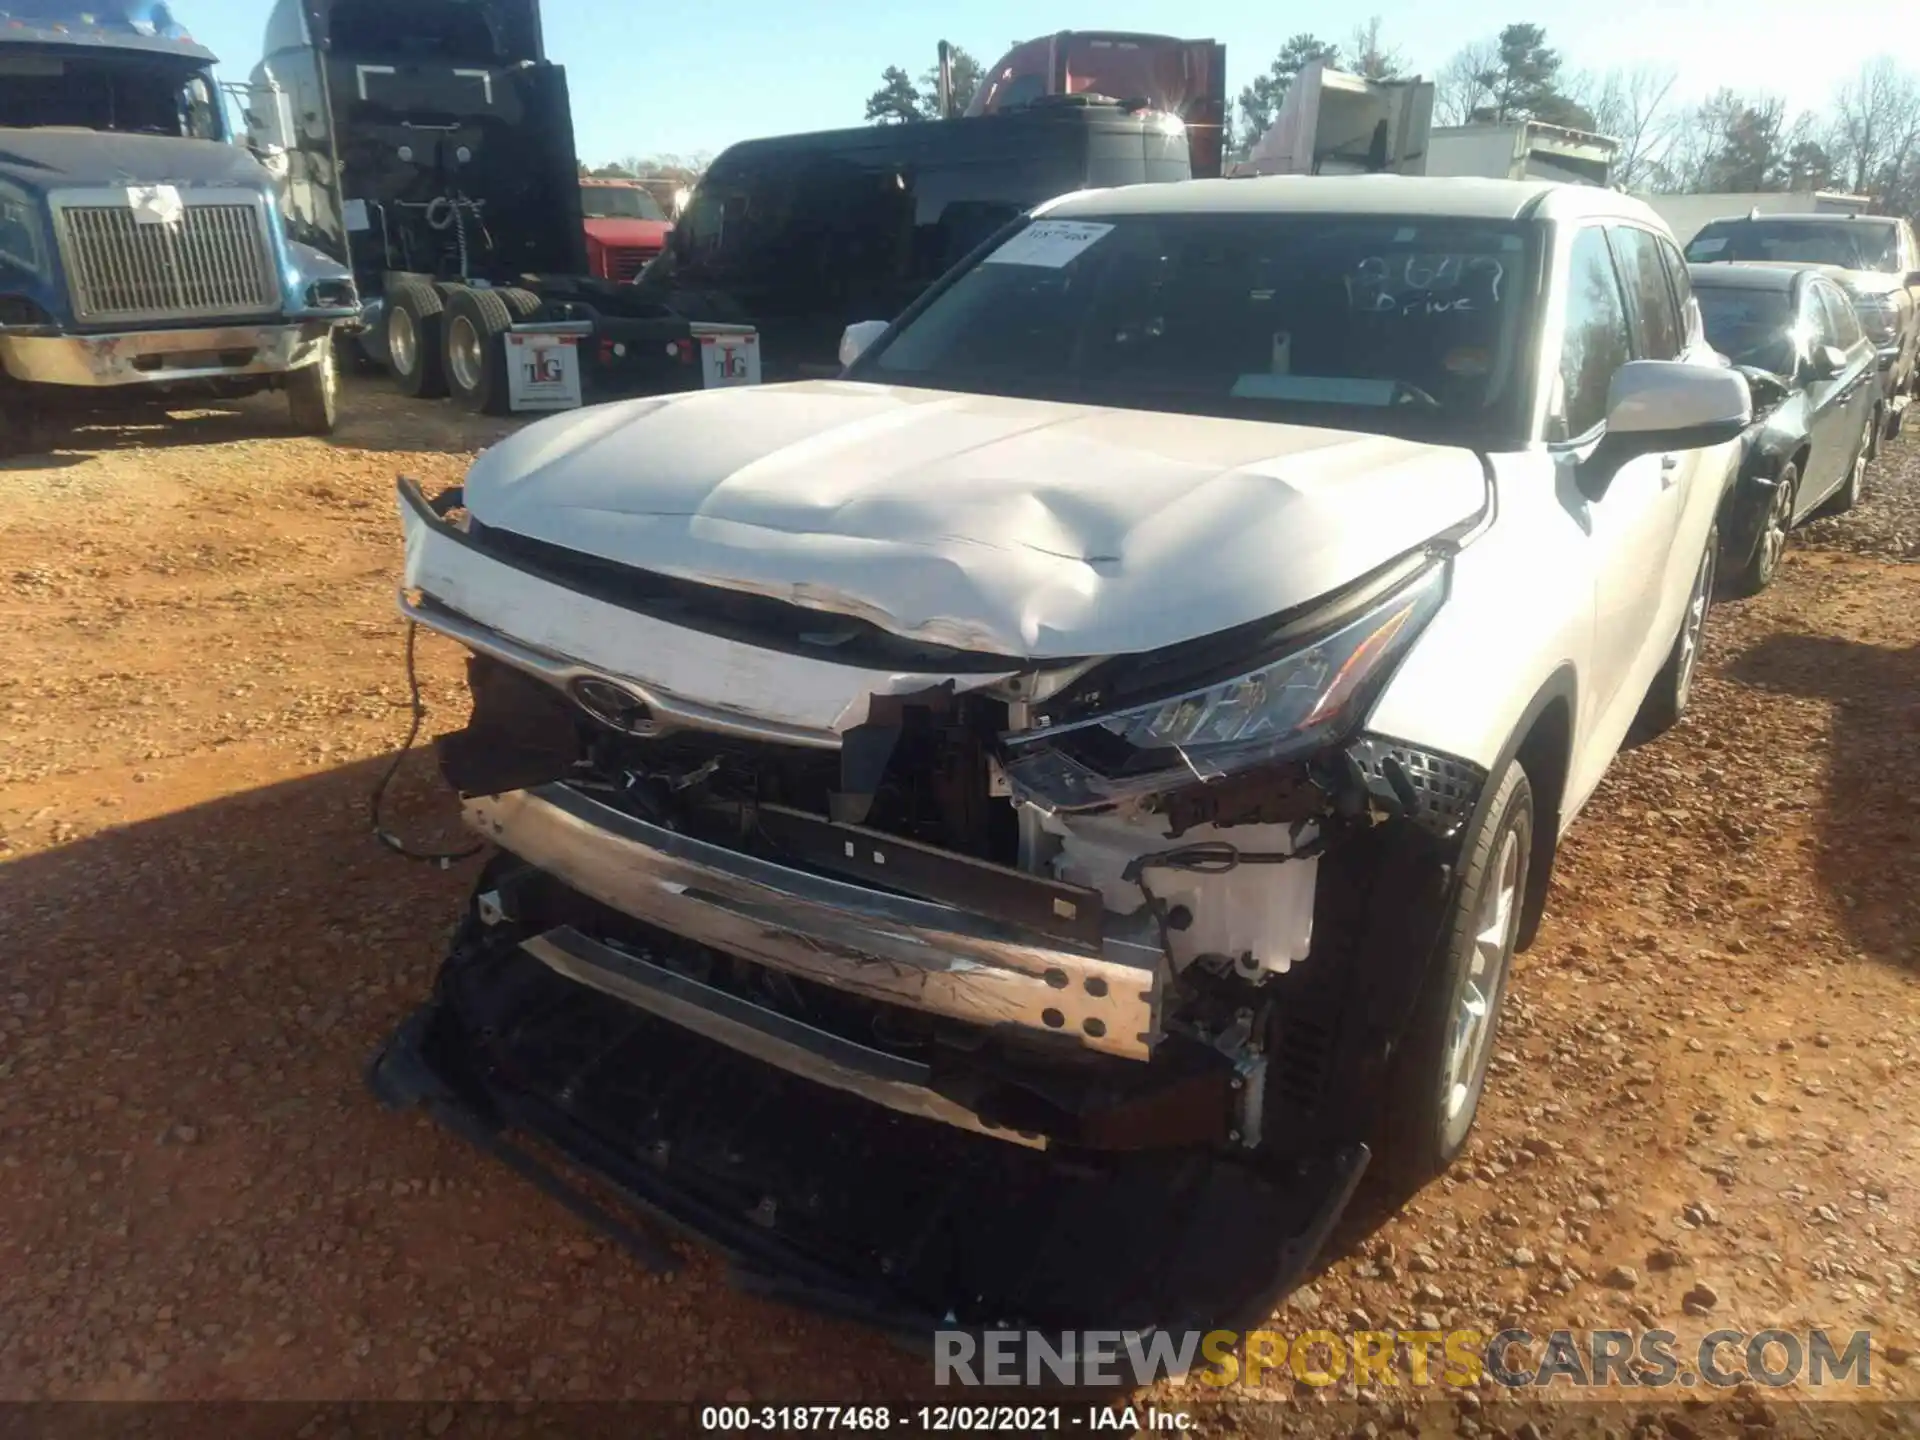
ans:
(143, 255)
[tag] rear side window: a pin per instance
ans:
(1842, 323)
(1657, 332)
(1597, 341)
(1682, 284)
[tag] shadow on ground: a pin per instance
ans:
(1868, 827)
(373, 417)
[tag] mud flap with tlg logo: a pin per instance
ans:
(729, 355)
(543, 371)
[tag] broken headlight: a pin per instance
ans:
(1296, 699)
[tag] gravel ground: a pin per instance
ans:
(1706, 1094)
(1887, 520)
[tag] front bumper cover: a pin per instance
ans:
(817, 1199)
(157, 357)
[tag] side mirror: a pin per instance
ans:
(1659, 405)
(1826, 361)
(1913, 278)
(858, 338)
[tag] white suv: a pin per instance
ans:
(1134, 708)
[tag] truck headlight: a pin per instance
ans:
(1304, 692)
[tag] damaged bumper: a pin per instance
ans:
(907, 1226)
(1104, 994)
(150, 357)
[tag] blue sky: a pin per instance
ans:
(698, 74)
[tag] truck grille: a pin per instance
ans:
(214, 263)
(626, 261)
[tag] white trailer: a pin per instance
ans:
(1521, 150)
(1333, 123)
(1687, 215)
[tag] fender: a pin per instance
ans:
(1547, 757)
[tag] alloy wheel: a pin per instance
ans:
(466, 358)
(1470, 1041)
(403, 340)
(1692, 627)
(1773, 542)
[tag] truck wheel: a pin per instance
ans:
(313, 395)
(1672, 688)
(522, 304)
(476, 362)
(1439, 1070)
(414, 346)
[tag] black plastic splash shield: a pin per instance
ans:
(827, 1202)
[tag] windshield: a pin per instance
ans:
(132, 92)
(1851, 244)
(1750, 327)
(619, 202)
(1391, 324)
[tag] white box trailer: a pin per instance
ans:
(1334, 123)
(1687, 215)
(1521, 150)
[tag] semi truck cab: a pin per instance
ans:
(142, 254)
(429, 145)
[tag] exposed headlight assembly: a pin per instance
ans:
(1308, 689)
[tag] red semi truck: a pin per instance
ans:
(626, 226)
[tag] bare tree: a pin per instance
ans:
(1371, 56)
(1876, 125)
(1461, 87)
(1631, 106)
(1728, 142)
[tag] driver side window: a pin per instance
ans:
(1597, 341)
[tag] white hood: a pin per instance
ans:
(1013, 527)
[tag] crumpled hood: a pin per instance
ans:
(1012, 527)
(59, 158)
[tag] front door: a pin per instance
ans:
(1631, 529)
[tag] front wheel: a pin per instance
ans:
(1759, 571)
(313, 395)
(1439, 1070)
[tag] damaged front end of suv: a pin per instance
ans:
(934, 985)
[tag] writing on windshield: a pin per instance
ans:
(1228, 313)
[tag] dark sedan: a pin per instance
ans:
(1793, 332)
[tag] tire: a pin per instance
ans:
(521, 304)
(475, 365)
(1439, 1070)
(313, 394)
(1848, 495)
(414, 347)
(1758, 572)
(1672, 689)
(350, 356)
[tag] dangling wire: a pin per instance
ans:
(445, 859)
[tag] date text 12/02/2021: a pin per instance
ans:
(942, 1419)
